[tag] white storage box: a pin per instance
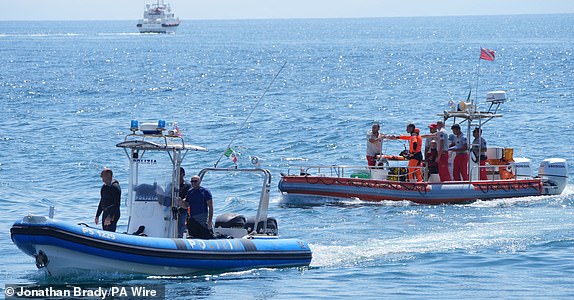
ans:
(494, 152)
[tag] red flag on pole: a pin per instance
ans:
(487, 54)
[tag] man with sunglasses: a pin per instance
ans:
(199, 203)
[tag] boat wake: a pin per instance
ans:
(94, 278)
(287, 200)
(566, 196)
(373, 251)
(119, 34)
(490, 237)
(85, 278)
(42, 34)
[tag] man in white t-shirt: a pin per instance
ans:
(442, 149)
(374, 144)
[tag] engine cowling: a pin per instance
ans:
(554, 174)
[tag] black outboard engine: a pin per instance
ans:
(272, 228)
(230, 225)
(230, 220)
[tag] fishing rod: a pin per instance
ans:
(250, 113)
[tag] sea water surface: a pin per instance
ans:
(68, 91)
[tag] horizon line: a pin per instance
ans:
(304, 18)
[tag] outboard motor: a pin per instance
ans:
(230, 220)
(230, 225)
(521, 168)
(272, 228)
(554, 175)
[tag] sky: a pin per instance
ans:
(274, 9)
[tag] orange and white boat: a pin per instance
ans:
(507, 176)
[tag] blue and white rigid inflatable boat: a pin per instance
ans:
(63, 248)
(155, 156)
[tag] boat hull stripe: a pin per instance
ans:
(248, 245)
(180, 244)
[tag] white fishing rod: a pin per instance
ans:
(250, 113)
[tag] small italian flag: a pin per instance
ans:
(177, 131)
(231, 155)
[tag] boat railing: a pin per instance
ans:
(326, 170)
(260, 227)
(354, 171)
(497, 172)
(394, 173)
(166, 138)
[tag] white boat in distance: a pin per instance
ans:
(158, 18)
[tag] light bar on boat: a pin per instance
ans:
(148, 128)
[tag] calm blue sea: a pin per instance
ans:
(69, 90)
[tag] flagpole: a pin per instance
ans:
(252, 110)
(477, 76)
(485, 54)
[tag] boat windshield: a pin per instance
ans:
(152, 178)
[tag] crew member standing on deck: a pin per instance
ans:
(429, 138)
(374, 144)
(181, 211)
(200, 204)
(415, 155)
(109, 206)
(431, 158)
(442, 150)
(460, 148)
(479, 152)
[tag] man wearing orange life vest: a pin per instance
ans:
(415, 155)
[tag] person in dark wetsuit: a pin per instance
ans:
(109, 206)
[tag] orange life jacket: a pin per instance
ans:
(415, 142)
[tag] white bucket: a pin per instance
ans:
(380, 174)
